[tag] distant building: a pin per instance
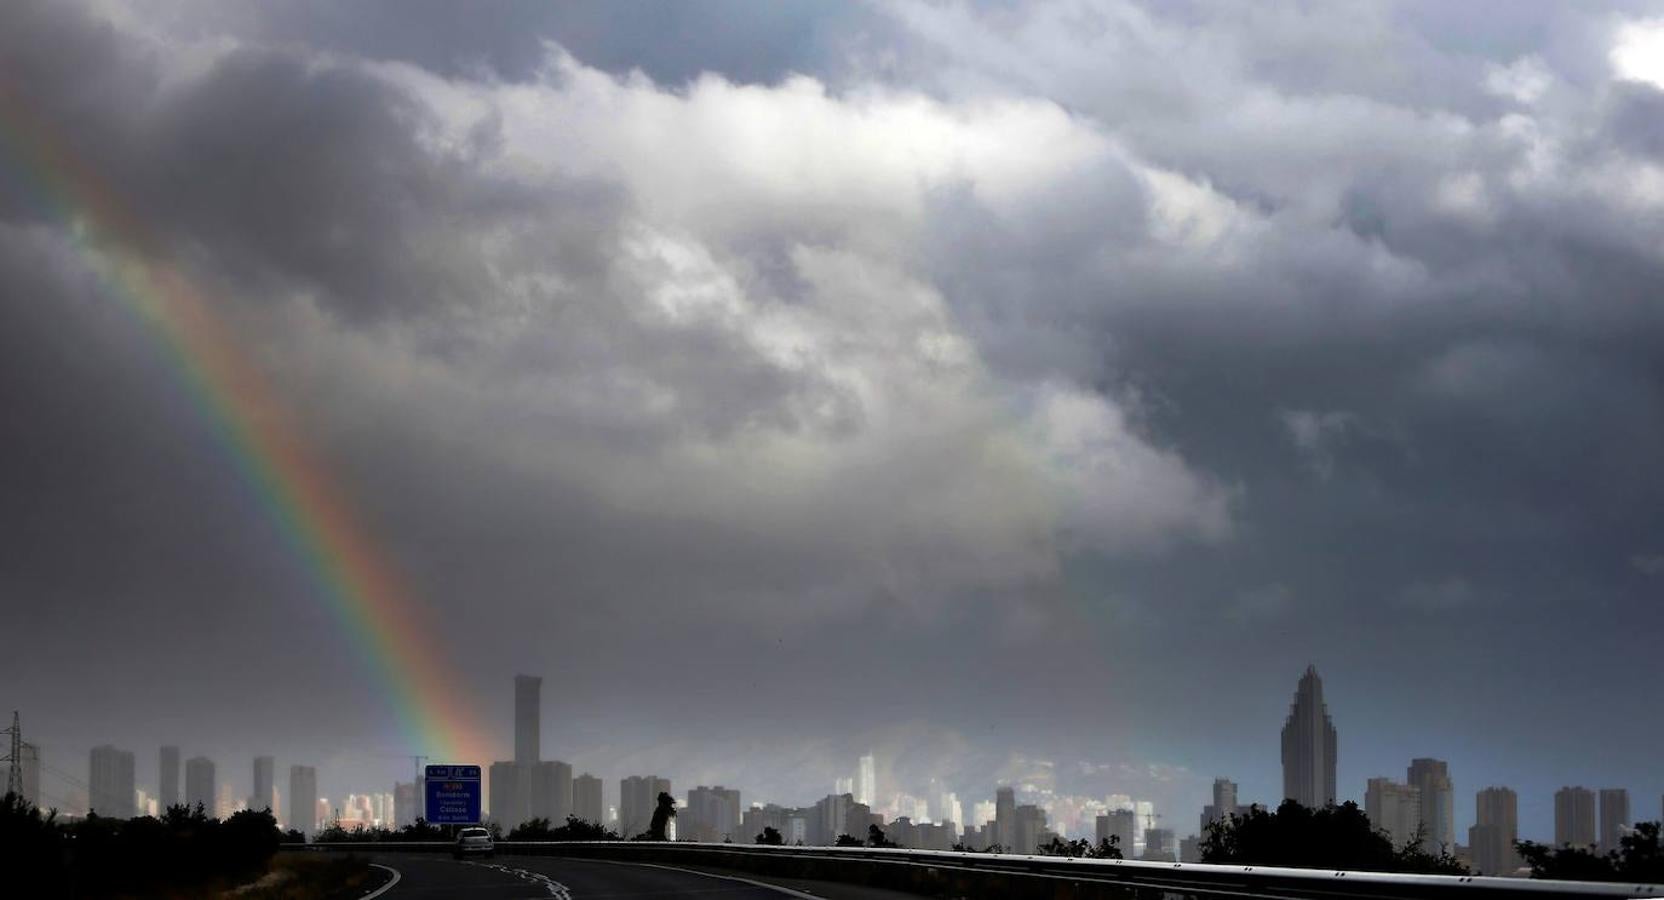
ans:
(408, 802)
(528, 691)
(1437, 815)
(303, 799)
(827, 819)
(1029, 828)
(1496, 828)
(1393, 808)
(264, 778)
(507, 800)
(1120, 824)
(1309, 746)
(1146, 813)
(167, 777)
(1160, 845)
(866, 780)
(1574, 817)
(225, 801)
(551, 791)
(859, 817)
(1224, 804)
(638, 797)
(779, 818)
(1005, 819)
(937, 835)
(199, 784)
(110, 783)
(1190, 849)
(712, 815)
(1614, 818)
(586, 798)
(843, 786)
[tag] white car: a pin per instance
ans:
(471, 841)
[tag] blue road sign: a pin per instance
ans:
(453, 795)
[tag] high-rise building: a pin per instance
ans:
(866, 780)
(843, 786)
(551, 791)
(407, 803)
(1393, 808)
(712, 815)
(586, 798)
(303, 799)
(1574, 817)
(225, 801)
(1029, 826)
(507, 800)
(1223, 806)
(1005, 819)
(264, 782)
(528, 690)
(638, 797)
(1160, 845)
(947, 810)
(1437, 813)
(1145, 811)
(110, 782)
(199, 783)
(1121, 825)
(1496, 828)
(1309, 746)
(1614, 818)
(167, 777)
(827, 818)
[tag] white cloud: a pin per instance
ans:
(1638, 52)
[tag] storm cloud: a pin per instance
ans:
(984, 384)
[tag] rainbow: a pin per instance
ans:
(257, 435)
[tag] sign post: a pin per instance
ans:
(453, 795)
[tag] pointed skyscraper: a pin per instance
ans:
(1309, 746)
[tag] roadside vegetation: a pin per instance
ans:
(185, 853)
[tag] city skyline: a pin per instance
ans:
(1019, 394)
(530, 787)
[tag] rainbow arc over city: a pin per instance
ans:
(258, 437)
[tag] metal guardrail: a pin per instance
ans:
(960, 874)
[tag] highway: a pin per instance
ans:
(520, 877)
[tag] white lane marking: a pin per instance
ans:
(384, 888)
(556, 889)
(762, 884)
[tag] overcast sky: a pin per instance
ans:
(1027, 393)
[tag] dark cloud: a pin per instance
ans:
(1121, 355)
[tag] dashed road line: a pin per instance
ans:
(556, 889)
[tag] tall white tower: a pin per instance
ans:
(866, 781)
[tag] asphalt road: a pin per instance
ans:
(542, 877)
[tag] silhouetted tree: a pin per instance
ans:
(422, 830)
(577, 829)
(34, 847)
(1057, 846)
(1639, 858)
(1333, 837)
(1108, 848)
(845, 840)
(660, 826)
(770, 836)
(876, 838)
(537, 829)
